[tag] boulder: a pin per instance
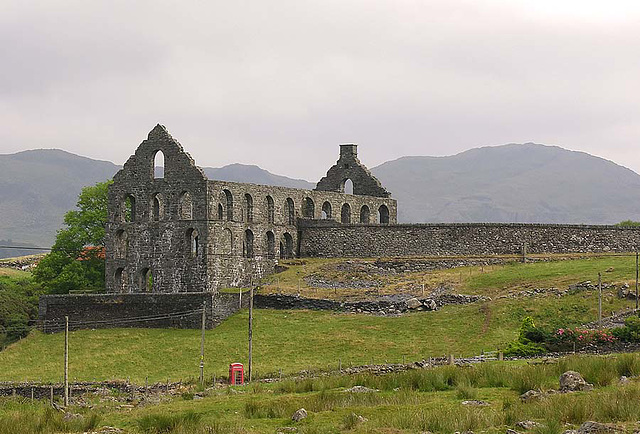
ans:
(531, 395)
(572, 381)
(299, 415)
(475, 402)
(527, 424)
(413, 303)
(591, 427)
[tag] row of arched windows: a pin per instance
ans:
(225, 209)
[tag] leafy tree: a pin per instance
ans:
(76, 261)
(628, 223)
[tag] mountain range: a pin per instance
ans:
(510, 183)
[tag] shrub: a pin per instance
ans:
(630, 332)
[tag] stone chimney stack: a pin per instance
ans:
(348, 151)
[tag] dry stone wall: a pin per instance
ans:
(322, 239)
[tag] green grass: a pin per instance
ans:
(407, 402)
(291, 341)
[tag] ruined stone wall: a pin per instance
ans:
(322, 239)
(180, 232)
(270, 216)
(182, 310)
(148, 243)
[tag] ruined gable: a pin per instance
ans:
(348, 168)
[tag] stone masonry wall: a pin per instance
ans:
(181, 310)
(322, 239)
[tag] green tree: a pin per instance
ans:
(76, 261)
(628, 223)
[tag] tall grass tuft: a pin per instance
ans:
(161, 423)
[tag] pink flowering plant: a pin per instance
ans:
(565, 338)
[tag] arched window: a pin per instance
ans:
(271, 245)
(364, 214)
(122, 244)
(383, 215)
(129, 209)
(120, 278)
(227, 242)
(326, 210)
(193, 247)
(157, 211)
(345, 213)
(271, 209)
(287, 252)
(248, 244)
(248, 202)
(229, 204)
(158, 165)
(308, 208)
(347, 186)
(220, 212)
(145, 280)
(185, 206)
(290, 212)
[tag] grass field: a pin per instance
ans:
(409, 402)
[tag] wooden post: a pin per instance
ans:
(637, 269)
(340, 365)
(32, 394)
(146, 385)
(599, 300)
(500, 356)
(403, 359)
(240, 304)
(451, 359)
(204, 323)
(51, 395)
(423, 289)
(524, 252)
(250, 334)
(66, 361)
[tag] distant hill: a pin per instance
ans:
(512, 183)
(37, 187)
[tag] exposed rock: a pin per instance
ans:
(572, 381)
(475, 402)
(527, 424)
(531, 395)
(570, 431)
(71, 416)
(511, 431)
(624, 380)
(361, 389)
(413, 303)
(591, 427)
(299, 415)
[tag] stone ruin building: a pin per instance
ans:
(174, 239)
(181, 232)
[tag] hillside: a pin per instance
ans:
(527, 183)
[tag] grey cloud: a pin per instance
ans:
(279, 83)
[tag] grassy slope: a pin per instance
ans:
(300, 339)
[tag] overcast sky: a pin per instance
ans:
(281, 84)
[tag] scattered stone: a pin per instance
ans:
(624, 380)
(572, 381)
(511, 431)
(475, 402)
(413, 303)
(591, 427)
(71, 416)
(299, 415)
(531, 395)
(527, 424)
(570, 431)
(361, 389)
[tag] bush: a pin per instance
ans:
(530, 341)
(630, 332)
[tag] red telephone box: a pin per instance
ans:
(236, 373)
